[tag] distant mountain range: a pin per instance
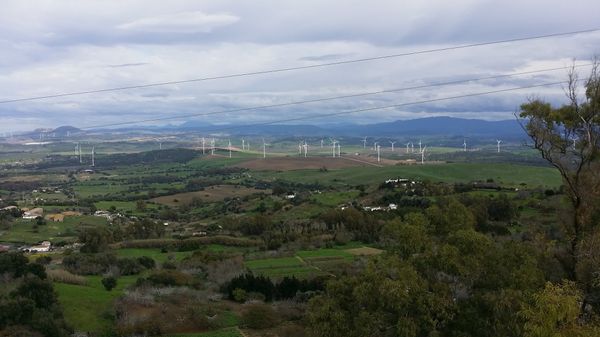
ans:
(432, 126)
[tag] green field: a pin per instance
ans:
(23, 231)
(123, 206)
(508, 174)
(85, 307)
(305, 263)
(153, 253)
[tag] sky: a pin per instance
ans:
(60, 46)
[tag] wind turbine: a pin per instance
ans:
(160, 145)
(375, 145)
(305, 149)
(412, 148)
(420, 146)
(264, 149)
(248, 146)
(79, 149)
(212, 146)
(203, 142)
(243, 144)
(378, 150)
(423, 155)
(392, 145)
(364, 142)
(339, 150)
(300, 148)
(321, 143)
(498, 141)
(76, 148)
(333, 142)
(229, 146)
(407, 145)
(93, 156)
(464, 144)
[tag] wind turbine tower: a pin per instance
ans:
(465, 145)
(212, 146)
(392, 145)
(305, 149)
(498, 141)
(407, 145)
(264, 149)
(423, 155)
(321, 143)
(229, 146)
(378, 151)
(364, 142)
(203, 143)
(420, 150)
(333, 143)
(339, 150)
(243, 144)
(80, 157)
(93, 156)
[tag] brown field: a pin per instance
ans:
(364, 251)
(301, 163)
(210, 194)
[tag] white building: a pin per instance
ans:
(41, 248)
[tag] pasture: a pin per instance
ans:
(210, 194)
(86, 307)
(507, 174)
(26, 231)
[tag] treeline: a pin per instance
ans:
(101, 263)
(243, 287)
(28, 303)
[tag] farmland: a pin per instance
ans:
(174, 234)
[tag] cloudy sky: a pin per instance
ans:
(53, 46)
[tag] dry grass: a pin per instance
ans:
(63, 276)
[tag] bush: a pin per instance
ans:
(239, 295)
(44, 260)
(259, 316)
(168, 278)
(147, 262)
(109, 283)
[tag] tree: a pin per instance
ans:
(95, 239)
(140, 205)
(568, 137)
(109, 283)
(554, 312)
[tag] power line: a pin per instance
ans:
(387, 106)
(279, 105)
(320, 65)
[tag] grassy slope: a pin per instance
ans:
(84, 306)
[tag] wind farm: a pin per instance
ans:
(233, 169)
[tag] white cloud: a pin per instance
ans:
(184, 22)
